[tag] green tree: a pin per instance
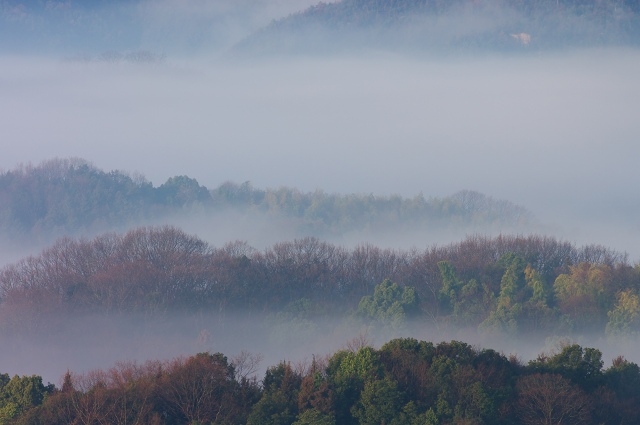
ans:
(181, 191)
(273, 408)
(619, 398)
(504, 319)
(451, 285)
(624, 319)
(390, 305)
(410, 415)
(19, 394)
(348, 372)
(315, 417)
(582, 365)
(279, 402)
(380, 402)
(623, 377)
(472, 303)
(537, 316)
(535, 281)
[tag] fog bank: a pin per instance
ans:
(554, 133)
(99, 342)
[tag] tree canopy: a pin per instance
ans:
(406, 381)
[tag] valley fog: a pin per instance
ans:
(553, 132)
(86, 343)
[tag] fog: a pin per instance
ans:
(556, 132)
(175, 27)
(100, 342)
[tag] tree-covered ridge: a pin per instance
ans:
(67, 196)
(508, 285)
(323, 212)
(70, 196)
(406, 381)
(444, 25)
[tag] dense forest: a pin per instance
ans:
(66, 197)
(434, 25)
(406, 381)
(507, 285)
(521, 287)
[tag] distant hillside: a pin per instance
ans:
(507, 285)
(71, 197)
(439, 25)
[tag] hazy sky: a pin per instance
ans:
(176, 27)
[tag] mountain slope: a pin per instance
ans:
(437, 25)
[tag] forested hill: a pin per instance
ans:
(516, 286)
(445, 25)
(70, 196)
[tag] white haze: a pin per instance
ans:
(174, 27)
(100, 342)
(206, 26)
(554, 133)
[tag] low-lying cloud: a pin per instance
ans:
(555, 133)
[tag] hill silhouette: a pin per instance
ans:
(443, 26)
(67, 197)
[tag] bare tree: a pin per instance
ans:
(200, 388)
(550, 399)
(246, 365)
